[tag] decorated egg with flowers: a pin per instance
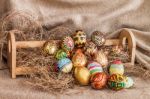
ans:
(65, 65)
(67, 44)
(79, 38)
(101, 58)
(116, 67)
(98, 80)
(50, 48)
(61, 54)
(79, 59)
(94, 67)
(90, 48)
(82, 75)
(98, 38)
(116, 81)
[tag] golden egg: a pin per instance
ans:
(50, 48)
(79, 59)
(101, 58)
(82, 75)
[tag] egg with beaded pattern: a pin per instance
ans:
(98, 38)
(67, 43)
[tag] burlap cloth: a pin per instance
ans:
(108, 16)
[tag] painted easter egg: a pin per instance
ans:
(79, 59)
(65, 65)
(101, 58)
(116, 67)
(79, 38)
(129, 82)
(98, 38)
(67, 43)
(116, 81)
(94, 67)
(49, 48)
(61, 54)
(99, 80)
(90, 48)
(82, 75)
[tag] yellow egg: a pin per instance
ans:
(101, 58)
(82, 75)
(79, 59)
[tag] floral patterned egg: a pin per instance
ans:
(116, 67)
(101, 58)
(61, 54)
(129, 82)
(79, 59)
(79, 38)
(90, 48)
(49, 48)
(116, 81)
(67, 43)
(99, 80)
(65, 65)
(82, 75)
(94, 67)
(98, 38)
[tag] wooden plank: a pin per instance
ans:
(33, 44)
(24, 70)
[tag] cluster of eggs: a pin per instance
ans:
(73, 54)
(117, 80)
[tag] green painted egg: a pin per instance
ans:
(61, 54)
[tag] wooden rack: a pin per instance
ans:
(125, 34)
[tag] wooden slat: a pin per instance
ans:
(33, 44)
(23, 70)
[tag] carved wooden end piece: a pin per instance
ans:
(23, 70)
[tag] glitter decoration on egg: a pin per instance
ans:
(90, 48)
(67, 44)
(116, 81)
(79, 38)
(129, 82)
(65, 65)
(94, 67)
(61, 54)
(101, 58)
(49, 48)
(116, 67)
(99, 80)
(79, 59)
(98, 38)
(82, 75)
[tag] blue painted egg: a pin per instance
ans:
(65, 65)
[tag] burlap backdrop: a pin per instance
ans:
(107, 16)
